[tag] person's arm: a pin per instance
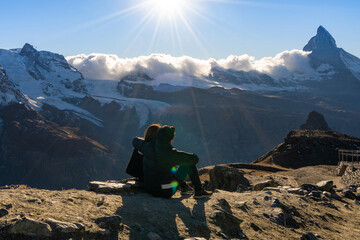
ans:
(138, 144)
(184, 158)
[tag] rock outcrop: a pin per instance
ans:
(308, 148)
(228, 178)
(315, 121)
(351, 175)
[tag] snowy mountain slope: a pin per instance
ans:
(44, 77)
(8, 94)
(105, 91)
(351, 62)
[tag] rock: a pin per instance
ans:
(315, 121)
(153, 236)
(297, 191)
(276, 203)
(229, 223)
(64, 227)
(326, 194)
(261, 185)
(349, 194)
(255, 227)
(357, 202)
(242, 205)
(315, 194)
(195, 238)
(325, 185)
(110, 222)
(3, 212)
(282, 214)
(30, 227)
(340, 169)
(227, 178)
(275, 189)
(267, 198)
(224, 205)
(351, 175)
(8, 206)
(109, 187)
(308, 187)
(308, 236)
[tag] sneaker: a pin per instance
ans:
(202, 194)
(186, 190)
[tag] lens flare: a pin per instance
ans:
(173, 170)
(169, 8)
(174, 185)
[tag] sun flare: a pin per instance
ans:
(169, 8)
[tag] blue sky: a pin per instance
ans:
(215, 28)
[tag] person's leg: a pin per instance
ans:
(185, 170)
(192, 172)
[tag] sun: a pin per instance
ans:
(168, 8)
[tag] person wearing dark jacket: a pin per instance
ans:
(135, 165)
(165, 168)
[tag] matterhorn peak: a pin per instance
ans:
(29, 51)
(322, 40)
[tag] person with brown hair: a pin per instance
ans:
(135, 165)
(166, 168)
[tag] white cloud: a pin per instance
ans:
(104, 66)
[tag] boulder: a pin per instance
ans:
(275, 189)
(315, 194)
(227, 178)
(261, 185)
(109, 222)
(308, 236)
(308, 187)
(64, 227)
(31, 227)
(325, 185)
(340, 169)
(109, 187)
(297, 191)
(349, 194)
(3, 212)
(282, 216)
(242, 205)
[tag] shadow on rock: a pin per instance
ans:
(159, 218)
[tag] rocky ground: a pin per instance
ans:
(265, 205)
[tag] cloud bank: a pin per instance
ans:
(111, 67)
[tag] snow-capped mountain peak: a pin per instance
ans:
(322, 40)
(29, 51)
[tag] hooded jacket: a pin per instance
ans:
(159, 160)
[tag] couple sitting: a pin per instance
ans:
(162, 168)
